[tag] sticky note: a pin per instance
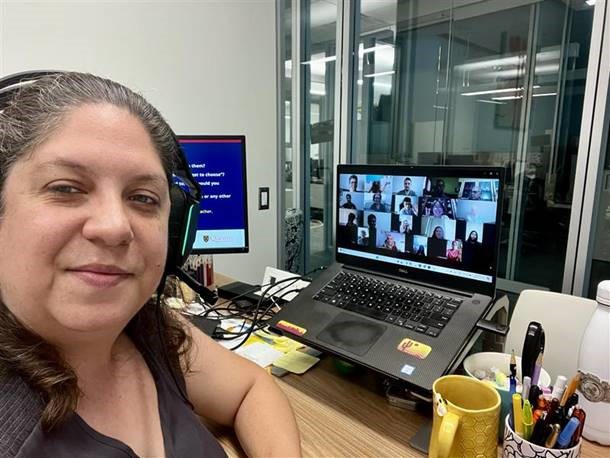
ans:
(260, 353)
(414, 348)
(296, 362)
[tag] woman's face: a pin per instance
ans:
(473, 235)
(84, 233)
(438, 232)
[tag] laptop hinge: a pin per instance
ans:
(403, 280)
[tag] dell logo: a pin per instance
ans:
(403, 271)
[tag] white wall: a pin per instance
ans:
(209, 66)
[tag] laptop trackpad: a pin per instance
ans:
(351, 333)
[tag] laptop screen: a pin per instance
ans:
(433, 224)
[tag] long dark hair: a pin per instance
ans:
(35, 112)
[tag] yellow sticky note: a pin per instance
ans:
(280, 343)
(296, 362)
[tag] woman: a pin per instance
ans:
(438, 233)
(455, 252)
(86, 356)
(473, 238)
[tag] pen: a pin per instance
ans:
(525, 391)
(513, 364)
(570, 390)
(550, 441)
(528, 422)
(537, 366)
(518, 414)
(512, 384)
(581, 415)
(567, 432)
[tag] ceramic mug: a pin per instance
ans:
(517, 447)
(466, 413)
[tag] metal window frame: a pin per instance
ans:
(591, 150)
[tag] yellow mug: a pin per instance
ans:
(466, 413)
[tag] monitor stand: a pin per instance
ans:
(421, 440)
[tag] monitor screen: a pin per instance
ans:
(218, 163)
(434, 222)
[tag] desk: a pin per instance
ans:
(347, 416)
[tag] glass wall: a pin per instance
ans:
(480, 83)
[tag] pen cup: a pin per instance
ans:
(516, 447)
(485, 361)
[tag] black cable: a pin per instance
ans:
(255, 320)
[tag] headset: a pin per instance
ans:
(185, 195)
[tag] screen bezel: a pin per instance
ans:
(242, 141)
(435, 278)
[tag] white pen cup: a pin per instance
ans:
(515, 446)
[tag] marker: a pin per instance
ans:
(565, 437)
(518, 414)
(528, 422)
(512, 384)
(581, 415)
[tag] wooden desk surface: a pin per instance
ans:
(341, 416)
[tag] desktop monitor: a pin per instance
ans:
(218, 163)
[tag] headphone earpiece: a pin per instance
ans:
(182, 228)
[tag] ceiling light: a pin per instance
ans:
(373, 75)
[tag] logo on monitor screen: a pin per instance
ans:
(206, 238)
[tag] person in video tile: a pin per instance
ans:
(407, 208)
(421, 251)
(455, 252)
(348, 202)
(439, 188)
(352, 227)
(377, 204)
(439, 233)
(437, 245)
(389, 243)
(372, 238)
(353, 183)
(405, 226)
(406, 191)
(475, 193)
(363, 238)
(471, 249)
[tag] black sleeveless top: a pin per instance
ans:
(21, 434)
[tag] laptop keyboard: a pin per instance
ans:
(418, 310)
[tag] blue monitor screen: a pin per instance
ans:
(218, 163)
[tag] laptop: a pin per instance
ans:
(416, 262)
